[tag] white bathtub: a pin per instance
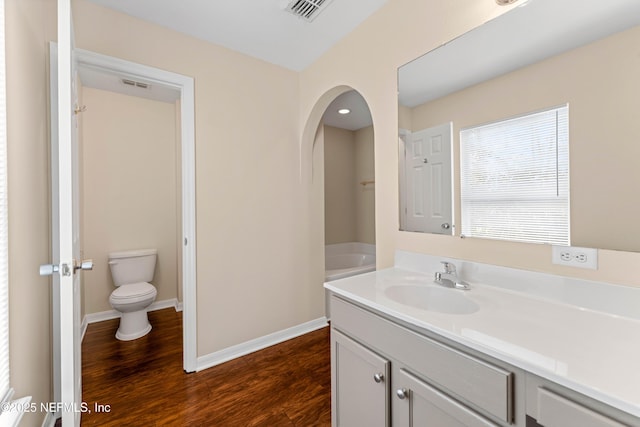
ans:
(348, 259)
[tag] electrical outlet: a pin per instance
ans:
(575, 257)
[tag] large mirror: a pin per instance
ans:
(543, 54)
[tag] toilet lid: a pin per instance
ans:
(133, 290)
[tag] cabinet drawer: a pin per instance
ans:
(557, 411)
(482, 384)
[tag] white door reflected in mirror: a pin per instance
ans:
(427, 177)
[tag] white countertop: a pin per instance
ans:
(592, 352)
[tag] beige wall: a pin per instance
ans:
(603, 131)
(314, 204)
(129, 176)
(349, 206)
(340, 212)
(29, 27)
(253, 213)
(365, 193)
(389, 38)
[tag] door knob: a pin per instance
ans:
(48, 269)
(85, 264)
(378, 377)
(446, 226)
(402, 393)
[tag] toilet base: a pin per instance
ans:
(133, 325)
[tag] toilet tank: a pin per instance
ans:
(132, 266)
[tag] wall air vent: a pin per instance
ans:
(307, 9)
(135, 84)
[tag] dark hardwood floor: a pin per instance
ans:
(143, 383)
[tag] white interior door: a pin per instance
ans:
(429, 180)
(65, 225)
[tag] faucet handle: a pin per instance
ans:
(448, 267)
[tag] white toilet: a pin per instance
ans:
(131, 272)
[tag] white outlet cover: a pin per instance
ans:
(574, 256)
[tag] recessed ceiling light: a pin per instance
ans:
(344, 111)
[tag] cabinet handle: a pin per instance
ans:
(378, 377)
(402, 393)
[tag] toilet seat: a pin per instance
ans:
(133, 292)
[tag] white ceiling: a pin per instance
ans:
(258, 28)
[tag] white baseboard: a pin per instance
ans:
(114, 314)
(218, 357)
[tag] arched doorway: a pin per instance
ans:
(339, 147)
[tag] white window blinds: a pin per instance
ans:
(4, 242)
(515, 178)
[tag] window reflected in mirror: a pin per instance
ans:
(514, 178)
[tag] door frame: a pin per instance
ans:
(185, 85)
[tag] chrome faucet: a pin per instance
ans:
(449, 278)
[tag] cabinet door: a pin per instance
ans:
(416, 403)
(360, 394)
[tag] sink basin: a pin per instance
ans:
(432, 298)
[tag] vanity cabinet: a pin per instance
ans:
(425, 381)
(385, 372)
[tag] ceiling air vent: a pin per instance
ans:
(307, 9)
(136, 84)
